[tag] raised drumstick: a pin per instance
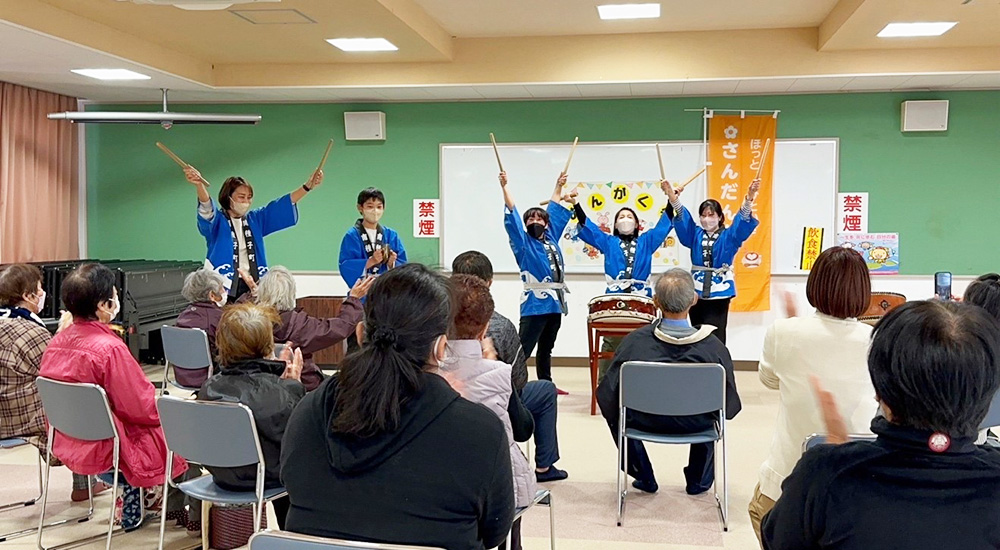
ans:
(692, 178)
(325, 154)
(763, 159)
(570, 159)
(171, 154)
(496, 151)
(659, 157)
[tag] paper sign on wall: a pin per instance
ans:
(852, 212)
(426, 218)
(812, 245)
(880, 250)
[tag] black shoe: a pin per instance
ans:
(552, 474)
(695, 490)
(646, 486)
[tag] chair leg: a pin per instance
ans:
(163, 507)
(114, 496)
(552, 523)
(206, 508)
(45, 489)
(725, 485)
(622, 462)
(163, 386)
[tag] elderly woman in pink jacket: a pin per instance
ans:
(474, 372)
(89, 352)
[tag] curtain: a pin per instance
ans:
(39, 171)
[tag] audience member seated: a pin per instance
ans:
(89, 352)
(23, 338)
(831, 345)
(386, 451)
(537, 397)
(672, 339)
(249, 374)
(985, 293)
(309, 334)
(474, 372)
(923, 483)
(206, 291)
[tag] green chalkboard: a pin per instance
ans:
(940, 191)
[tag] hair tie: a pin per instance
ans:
(384, 337)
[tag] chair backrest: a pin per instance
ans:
(673, 389)
(186, 348)
(992, 419)
(78, 410)
(212, 433)
(815, 440)
(281, 540)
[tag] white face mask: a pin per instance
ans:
(222, 301)
(445, 359)
(372, 215)
(709, 223)
(625, 226)
(40, 303)
(116, 306)
(240, 208)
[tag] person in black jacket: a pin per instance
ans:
(370, 455)
(923, 483)
(270, 388)
(670, 340)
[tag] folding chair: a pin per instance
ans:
(80, 411)
(673, 389)
(184, 348)
(544, 498)
(218, 434)
(12, 443)
(815, 440)
(280, 540)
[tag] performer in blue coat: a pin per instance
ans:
(713, 251)
(534, 240)
(369, 248)
(628, 256)
(235, 234)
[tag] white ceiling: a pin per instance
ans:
(39, 61)
(481, 18)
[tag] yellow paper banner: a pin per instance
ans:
(739, 147)
(812, 245)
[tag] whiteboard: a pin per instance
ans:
(805, 190)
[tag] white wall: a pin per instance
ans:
(745, 333)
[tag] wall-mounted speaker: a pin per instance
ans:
(925, 116)
(364, 125)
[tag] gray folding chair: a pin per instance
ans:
(213, 433)
(815, 440)
(12, 443)
(281, 540)
(673, 389)
(184, 348)
(544, 498)
(80, 411)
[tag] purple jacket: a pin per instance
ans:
(313, 334)
(203, 315)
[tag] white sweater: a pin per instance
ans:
(835, 350)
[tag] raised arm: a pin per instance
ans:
(508, 199)
(313, 182)
(744, 223)
(557, 192)
(684, 224)
(590, 233)
(663, 225)
(200, 184)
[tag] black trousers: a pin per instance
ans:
(712, 312)
(699, 473)
(241, 288)
(540, 330)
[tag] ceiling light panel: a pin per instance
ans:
(629, 11)
(910, 30)
(363, 44)
(110, 74)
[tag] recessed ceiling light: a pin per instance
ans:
(900, 30)
(111, 74)
(629, 11)
(363, 44)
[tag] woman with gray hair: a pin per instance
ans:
(303, 331)
(206, 291)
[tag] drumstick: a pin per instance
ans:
(692, 178)
(570, 159)
(763, 159)
(659, 158)
(325, 154)
(496, 151)
(171, 154)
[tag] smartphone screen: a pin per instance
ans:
(942, 285)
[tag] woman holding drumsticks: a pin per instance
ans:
(235, 233)
(713, 248)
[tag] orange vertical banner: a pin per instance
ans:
(739, 147)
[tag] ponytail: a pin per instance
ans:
(373, 384)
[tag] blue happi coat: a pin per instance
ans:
(533, 260)
(727, 245)
(615, 263)
(274, 216)
(353, 256)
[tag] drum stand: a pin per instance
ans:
(596, 330)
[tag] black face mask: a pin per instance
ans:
(536, 230)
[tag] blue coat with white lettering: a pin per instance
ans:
(353, 256)
(533, 260)
(727, 245)
(274, 216)
(615, 263)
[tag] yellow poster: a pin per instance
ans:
(812, 244)
(738, 148)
